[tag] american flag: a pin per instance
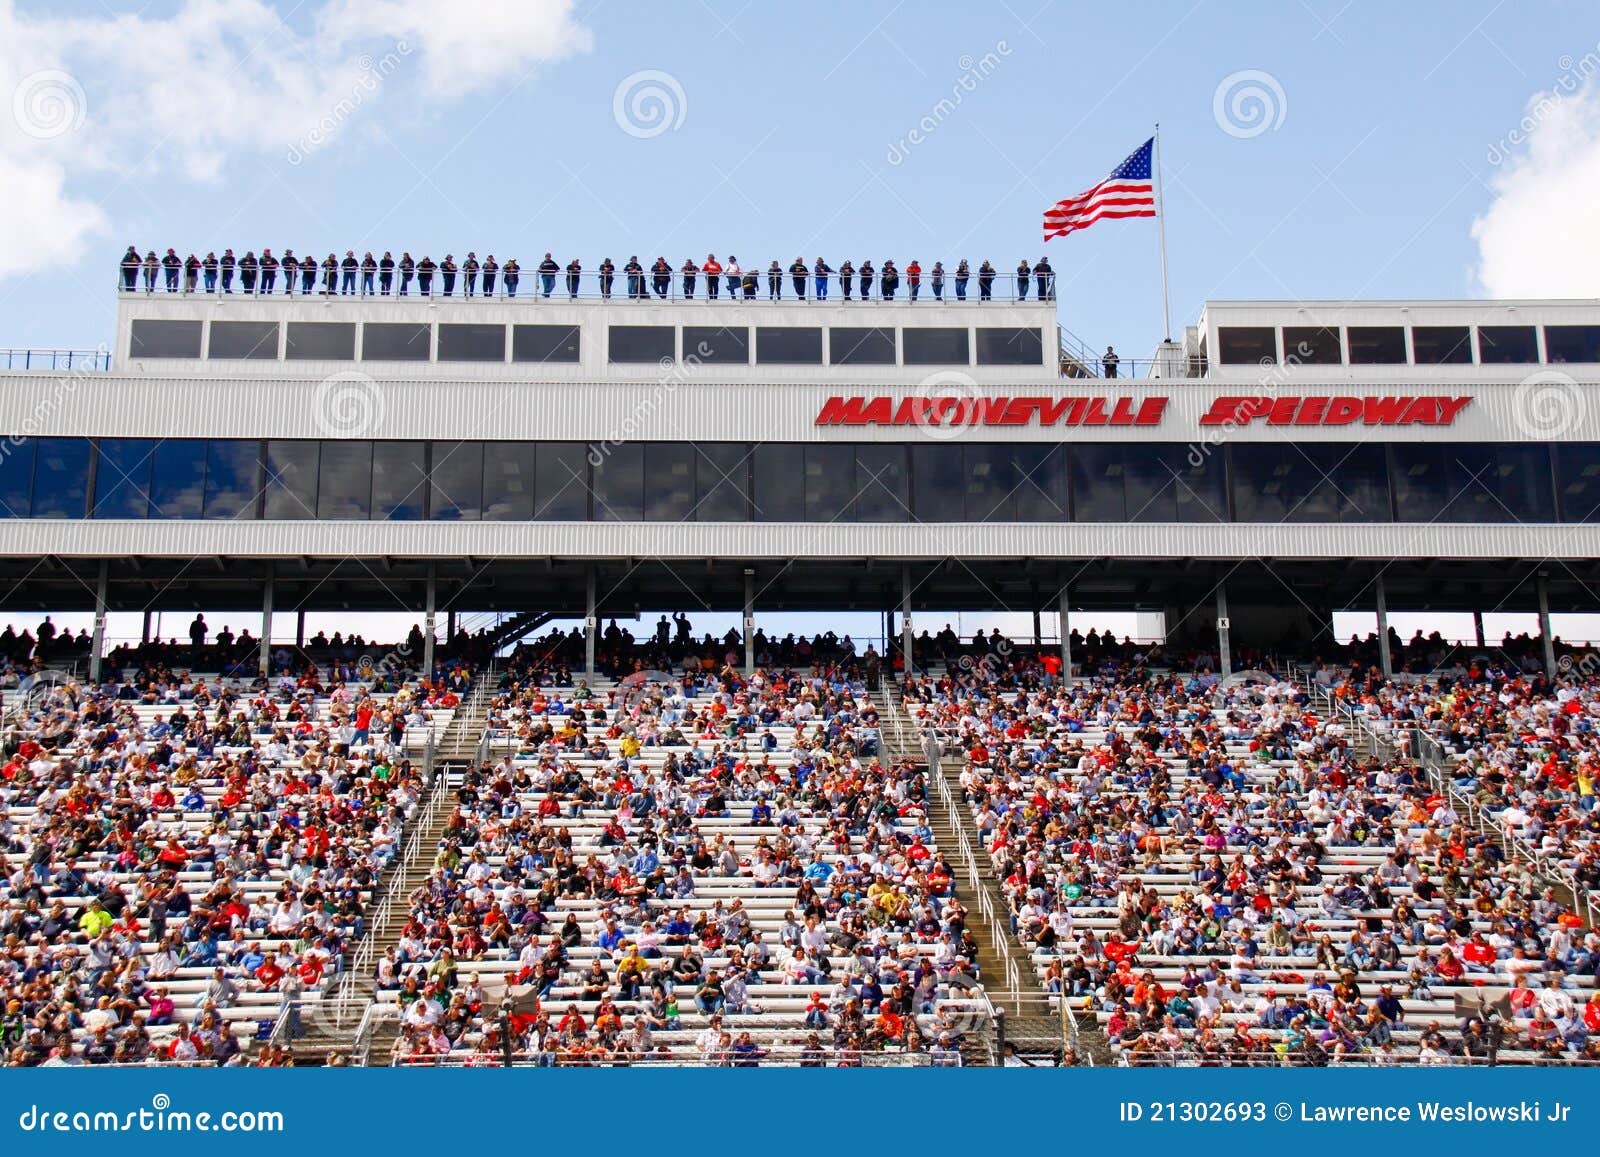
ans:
(1127, 192)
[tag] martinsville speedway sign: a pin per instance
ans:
(1228, 410)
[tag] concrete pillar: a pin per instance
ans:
(907, 631)
(97, 646)
(1545, 635)
(1224, 647)
(266, 628)
(591, 624)
(749, 620)
(1066, 636)
(428, 620)
(1385, 659)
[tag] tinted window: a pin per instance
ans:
(1097, 484)
(619, 482)
(399, 480)
(780, 345)
(1172, 482)
(830, 482)
(544, 343)
(562, 482)
(1010, 347)
(321, 341)
(510, 472)
(882, 494)
(722, 484)
(1578, 480)
(1040, 473)
(990, 487)
(1499, 483)
(637, 344)
(455, 481)
(61, 478)
(394, 342)
(1441, 345)
(165, 339)
(669, 466)
(1247, 345)
(935, 346)
(244, 339)
(472, 343)
(1310, 345)
(1377, 345)
(232, 479)
(872, 346)
(780, 494)
(344, 480)
(712, 345)
(178, 478)
(1572, 343)
(938, 482)
(122, 478)
(291, 480)
(1507, 344)
(1309, 482)
(16, 477)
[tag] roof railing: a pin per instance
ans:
(38, 360)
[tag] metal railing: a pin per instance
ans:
(1405, 739)
(763, 285)
(83, 361)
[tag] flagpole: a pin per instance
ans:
(1161, 225)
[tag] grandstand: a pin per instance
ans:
(1248, 844)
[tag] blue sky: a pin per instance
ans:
(1311, 148)
(789, 133)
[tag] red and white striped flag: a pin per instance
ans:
(1127, 192)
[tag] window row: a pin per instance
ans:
(138, 478)
(625, 344)
(1396, 345)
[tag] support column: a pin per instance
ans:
(590, 624)
(1066, 636)
(907, 631)
(429, 618)
(449, 625)
(266, 628)
(1544, 626)
(1224, 647)
(97, 646)
(1385, 658)
(1477, 627)
(749, 620)
(300, 629)
(144, 633)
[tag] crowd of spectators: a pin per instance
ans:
(706, 869)
(389, 276)
(1218, 875)
(183, 856)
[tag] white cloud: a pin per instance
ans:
(1541, 235)
(192, 91)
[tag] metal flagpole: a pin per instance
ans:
(1161, 225)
